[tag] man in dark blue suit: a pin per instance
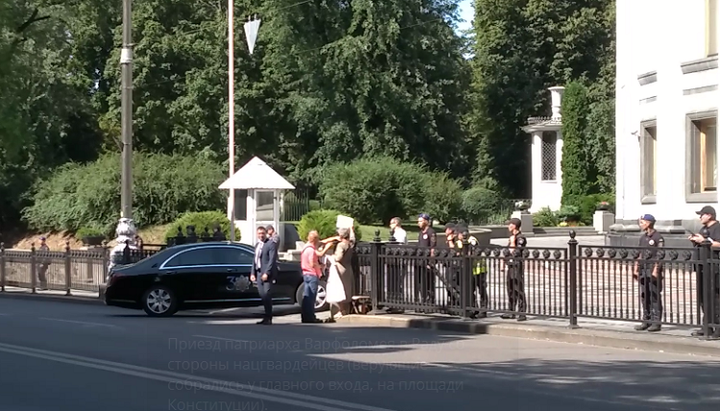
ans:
(264, 271)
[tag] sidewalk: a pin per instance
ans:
(601, 333)
(79, 296)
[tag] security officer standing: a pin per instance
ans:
(711, 230)
(425, 270)
(479, 271)
(648, 274)
(516, 272)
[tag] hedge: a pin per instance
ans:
(202, 220)
(325, 222)
(164, 187)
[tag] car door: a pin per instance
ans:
(185, 272)
(234, 285)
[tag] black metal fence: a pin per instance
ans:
(650, 285)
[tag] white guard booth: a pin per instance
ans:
(258, 199)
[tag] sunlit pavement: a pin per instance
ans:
(59, 356)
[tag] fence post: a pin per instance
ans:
(68, 269)
(375, 274)
(3, 276)
(704, 284)
(465, 282)
(33, 269)
(572, 290)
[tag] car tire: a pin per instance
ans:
(320, 304)
(159, 301)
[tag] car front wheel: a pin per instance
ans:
(320, 300)
(159, 301)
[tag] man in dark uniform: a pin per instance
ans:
(711, 230)
(426, 272)
(649, 275)
(479, 272)
(516, 272)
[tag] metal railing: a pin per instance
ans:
(650, 285)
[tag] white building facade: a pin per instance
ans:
(667, 103)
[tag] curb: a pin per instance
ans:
(51, 297)
(582, 336)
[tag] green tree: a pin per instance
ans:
(522, 47)
(576, 181)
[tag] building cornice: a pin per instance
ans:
(695, 66)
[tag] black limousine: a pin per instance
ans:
(200, 276)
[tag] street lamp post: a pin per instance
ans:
(126, 230)
(251, 30)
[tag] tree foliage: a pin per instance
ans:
(521, 48)
(576, 181)
(330, 82)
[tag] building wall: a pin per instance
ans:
(654, 40)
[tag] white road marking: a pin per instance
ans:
(221, 339)
(86, 323)
(209, 384)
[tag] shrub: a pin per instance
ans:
(164, 187)
(373, 190)
(443, 197)
(201, 220)
(569, 213)
(588, 204)
(91, 231)
(480, 203)
(545, 217)
(325, 222)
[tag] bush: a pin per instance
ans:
(443, 197)
(480, 203)
(588, 204)
(201, 220)
(164, 187)
(569, 213)
(91, 231)
(374, 190)
(545, 217)
(325, 222)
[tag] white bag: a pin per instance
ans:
(335, 287)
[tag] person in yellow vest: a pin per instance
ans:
(479, 272)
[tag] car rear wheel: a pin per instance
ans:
(320, 301)
(159, 301)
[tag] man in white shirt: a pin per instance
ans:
(397, 232)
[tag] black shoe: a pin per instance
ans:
(642, 327)
(265, 322)
(313, 321)
(522, 318)
(508, 316)
(654, 328)
(698, 333)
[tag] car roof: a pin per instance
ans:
(207, 244)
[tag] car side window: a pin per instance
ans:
(211, 256)
(234, 256)
(192, 258)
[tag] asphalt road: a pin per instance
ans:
(62, 356)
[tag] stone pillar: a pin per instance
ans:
(526, 219)
(602, 220)
(536, 166)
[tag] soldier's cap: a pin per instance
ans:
(451, 227)
(707, 210)
(461, 228)
(648, 217)
(515, 221)
(424, 216)
(42, 239)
